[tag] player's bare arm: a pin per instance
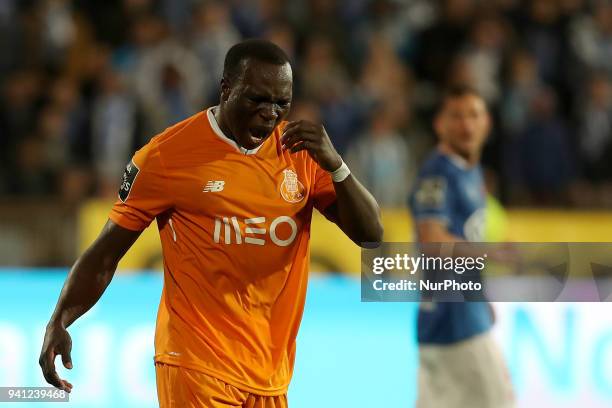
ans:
(85, 283)
(355, 211)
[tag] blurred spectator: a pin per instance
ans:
(59, 30)
(438, 44)
(523, 85)
(31, 175)
(281, 34)
(83, 83)
(109, 20)
(75, 185)
(21, 92)
(114, 126)
(383, 77)
(382, 160)
(10, 35)
(178, 13)
(541, 160)
(592, 37)
(484, 54)
(545, 35)
(595, 139)
(398, 23)
(304, 109)
(53, 132)
(213, 36)
(65, 96)
(252, 18)
(324, 79)
(460, 72)
(167, 76)
(321, 18)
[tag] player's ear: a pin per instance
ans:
(225, 89)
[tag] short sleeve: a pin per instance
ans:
(431, 198)
(142, 194)
(324, 193)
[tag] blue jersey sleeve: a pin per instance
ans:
(431, 197)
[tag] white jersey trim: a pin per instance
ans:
(215, 127)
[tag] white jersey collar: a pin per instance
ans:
(457, 160)
(217, 130)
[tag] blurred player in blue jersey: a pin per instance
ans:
(460, 364)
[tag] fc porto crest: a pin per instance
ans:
(291, 189)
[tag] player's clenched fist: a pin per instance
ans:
(304, 135)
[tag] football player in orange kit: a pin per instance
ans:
(232, 189)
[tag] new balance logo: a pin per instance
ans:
(214, 186)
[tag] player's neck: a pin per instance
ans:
(222, 125)
(468, 161)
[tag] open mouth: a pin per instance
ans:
(258, 134)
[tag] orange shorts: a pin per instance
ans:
(184, 388)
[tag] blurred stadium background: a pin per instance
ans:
(83, 83)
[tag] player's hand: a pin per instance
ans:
(304, 135)
(57, 342)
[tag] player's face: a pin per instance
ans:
(463, 124)
(257, 101)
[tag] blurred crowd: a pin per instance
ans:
(83, 83)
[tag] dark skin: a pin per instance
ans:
(86, 282)
(257, 101)
(251, 106)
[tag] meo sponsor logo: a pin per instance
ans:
(255, 231)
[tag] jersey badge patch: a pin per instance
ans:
(129, 177)
(291, 189)
(431, 192)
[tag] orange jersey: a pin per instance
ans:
(235, 228)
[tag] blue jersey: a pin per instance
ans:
(449, 191)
